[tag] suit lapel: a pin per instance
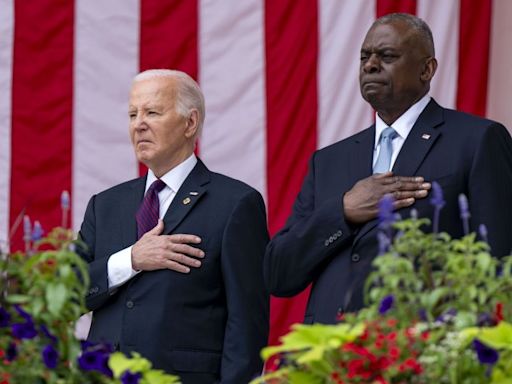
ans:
(190, 192)
(129, 209)
(423, 135)
(362, 154)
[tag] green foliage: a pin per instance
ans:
(45, 288)
(442, 291)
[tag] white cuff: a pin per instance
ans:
(119, 268)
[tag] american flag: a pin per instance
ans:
(279, 77)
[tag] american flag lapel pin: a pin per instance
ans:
(193, 193)
(425, 136)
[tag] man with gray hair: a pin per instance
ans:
(175, 257)
(330, 239)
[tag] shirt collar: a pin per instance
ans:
(404, 123)
(176, 176)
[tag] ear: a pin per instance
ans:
(192, 124)
(429, 69)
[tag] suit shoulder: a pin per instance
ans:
(466, 121)
(339, 146)
(120, 188)
(234, 186)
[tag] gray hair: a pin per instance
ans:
(188, 96)
(417, 24)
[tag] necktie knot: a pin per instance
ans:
(388, 134)
(149, 211)
(157, 186)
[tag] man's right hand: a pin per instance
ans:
(155, 251)
(361, 202)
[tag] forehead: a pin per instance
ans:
(155, 90)
(392, 35)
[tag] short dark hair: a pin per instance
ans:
(419, 25)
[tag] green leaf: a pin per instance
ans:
(17, 299)
(119, 363)
(56, 295)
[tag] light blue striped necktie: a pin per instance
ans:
(386, 150)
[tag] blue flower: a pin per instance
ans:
(5, 317)
(482, 230)
(384, 242)
(24, 330)
(437, 200)
(464, 212)
(386, 304)
(485, 354)
(130, 378)
(11, 352)
(50, 356)
(386, 216)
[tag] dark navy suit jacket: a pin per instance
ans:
(207, 326)
(463, 153)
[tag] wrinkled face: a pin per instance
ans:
(161, 137)
(393, 61)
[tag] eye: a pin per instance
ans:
(152, 113)
(132, 115)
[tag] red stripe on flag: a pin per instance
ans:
(42, 96)
(391, 6)
(474, 32)
(168, 37)
(291, 37)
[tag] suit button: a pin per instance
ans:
(355, 258)
(326, 243)
(129, 304)
(339, 233)
(331, 239)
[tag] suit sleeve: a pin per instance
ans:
(490, 188)
(98, 292)
(243, 246)
(313, 234)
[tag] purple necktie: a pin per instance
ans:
(148, 213)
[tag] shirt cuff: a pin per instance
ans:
(119, 268)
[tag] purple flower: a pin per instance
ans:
(23, 314)
(437, 200)
(482, 230)
(130, 378)
(95, 360)
(24, 330)
(37, 231)
(11, 352)
(485, 354)
(47, 333)
(5, 317)
(485, 320)
(422, 314)
(50, 356)
(447, 316)
(386, 304)
(386, 216)
(464, 212)
(384, 242)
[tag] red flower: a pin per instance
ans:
(498, 313)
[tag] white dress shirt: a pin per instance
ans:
(119, 265)
(402, 126)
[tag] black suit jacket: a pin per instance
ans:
(463, 153)
(207, 326)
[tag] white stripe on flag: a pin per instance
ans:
(342, 110)
(106, 59)
(231, 73)
(500, 62)
(443, 18)
(6, 49)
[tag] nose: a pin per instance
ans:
(372, 64)
(137, 122)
